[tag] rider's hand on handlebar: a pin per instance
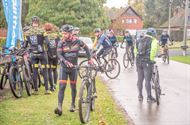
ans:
(90, 62)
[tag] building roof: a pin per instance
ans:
(131, 11)
(122, 11)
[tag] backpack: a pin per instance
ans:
(142, 47)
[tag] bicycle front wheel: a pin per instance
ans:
(112, 69)
(125, 60)
(28, 81)
(167, 59)
(4, 78)
(84, 102)
(15, 81)
(157, 86)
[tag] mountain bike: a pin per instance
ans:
(86, 93)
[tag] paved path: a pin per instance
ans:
(174, 108)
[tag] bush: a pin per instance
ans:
(119, 38)
(2, 41)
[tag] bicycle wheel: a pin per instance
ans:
(92, 104)
(167, 58)
(112, 69)
(125, 60)
(84, 101)
(15, 81)
(82, 70)
(157, 86)
(28, 81)
(4, 78)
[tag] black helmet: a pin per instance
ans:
(151, 31)
(67, 28)
(97, 30)
(76, 29)
(35, 19)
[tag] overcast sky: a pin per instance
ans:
(116, 3)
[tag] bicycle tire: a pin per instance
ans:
(125, 60)
(28, 81)
(92, 104)
(15, 80)
(84, 118)
(167, 59)
(3, 78)
(157, 87)
(108, 69)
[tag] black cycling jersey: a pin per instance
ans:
(68, 50)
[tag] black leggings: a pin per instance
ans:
(52, 71)
(35, 61)
(103, 52)
(63, 77)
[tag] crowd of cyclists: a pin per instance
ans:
(50, 46)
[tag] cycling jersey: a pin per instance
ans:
(113, 39)
(68, 50)
(128, 40)
(36, 37)
(52, 45)
(104, 41)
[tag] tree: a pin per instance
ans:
(82, 13)
(3, 23)
(157, 11)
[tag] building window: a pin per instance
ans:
(129, 21)
(123, 21)
(135, 21)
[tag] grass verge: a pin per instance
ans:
(182, 59)
(39, 109)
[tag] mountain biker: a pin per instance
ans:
(67, 51)
(113, 40)
(164, 39)
(102, 40)
(36, 38)
(129, 42)
(145, 51)
(52, 54)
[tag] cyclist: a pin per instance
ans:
(67, 51)
(164, 39)
(103, 40)
(37, 37)
(113, 40)
(129, 42)
(52, 55)
(145, 51)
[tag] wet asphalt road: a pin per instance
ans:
(174, 108)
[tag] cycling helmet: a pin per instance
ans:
(76, 29)
(151, 31)
(97, 30)
(35, 19)
(67, 28)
